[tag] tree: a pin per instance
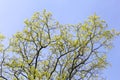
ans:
(47, 50)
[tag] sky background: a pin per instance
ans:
(14, 12)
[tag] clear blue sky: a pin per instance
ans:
(14, 12)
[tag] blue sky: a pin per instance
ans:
(14, 12)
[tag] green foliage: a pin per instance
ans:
(1, 44)
(47, 50)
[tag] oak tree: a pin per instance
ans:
(48, 50)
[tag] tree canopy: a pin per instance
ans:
(48, 50)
